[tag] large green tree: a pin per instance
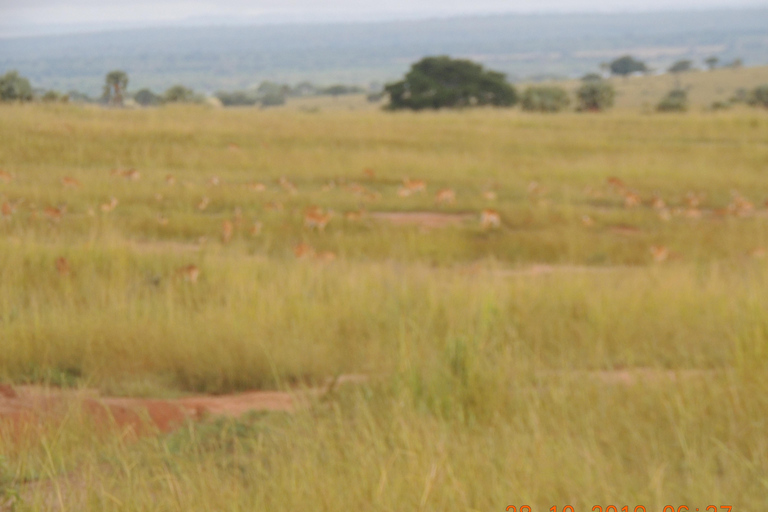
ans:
(545, 99)
(115, 84)
(14, 87)
(437, 82)
(627, 65)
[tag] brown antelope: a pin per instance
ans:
(303, 250)
(489, 195)
(130, 174)
(62, 266)
(7, 209)
(70, 182)
(233, 147)
(693, 200)
(369, 173)
(226, 231)
(445, 196)
(325, 256)
(415, 185)
(111, 205)
(758, 252)
(657, 203)
(587, 220)
(55, 214)
(170, 179)
(616, 183)
(631, 199)
(660, 253)
(490, 219)
(162, 219)
(287, 185)
(314, 218)
(237, 217)
(203, 204)
(190, 273)
(214, 181)
(257, 187)
(5, 176)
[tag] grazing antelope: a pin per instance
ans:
(190, 273)
(287, 185)
(70, 182)
(325, 256)
(369, 173)
(55, 214)
(587, 221)
(162, 219)
(415, 185)
(214, 181)
(740, 205)
(5, 176)
(489, 195)
(62, 266)
(693, 200)
(657, 203)
(108, 207)
(303, 250)
(203, 204)
(758, 252)
(314, 218)
(226, 231)
(490, 219)
(665, 215)
(130, 174)
(170, 179)
(237, 217)
(616, 183)
(445, 196)
(631, 199)
(233, 147)
(159, 197)
(257, 187)
(7, 209)
(660, 253)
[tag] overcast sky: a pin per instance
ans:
(95, 13)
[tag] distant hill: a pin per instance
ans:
(523, 46)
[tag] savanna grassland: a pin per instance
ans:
(604, 344)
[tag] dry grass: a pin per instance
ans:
(486, 392)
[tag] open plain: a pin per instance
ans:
(458, 310)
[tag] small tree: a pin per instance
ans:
(14, 87)
(627, 65)
(437, 82)
(595, 96)
(115, 84)
(675, 101)
(545, 99)
(711, 62)
(759, 96)
(147, 98)
(591, 77)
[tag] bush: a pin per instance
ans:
(594, 96)
(545, 99)
(675, 101)
(272, 99)
(14, 87)
(179, 94)
(759, 96)
(237, 98)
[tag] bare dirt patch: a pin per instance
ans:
(423, 219)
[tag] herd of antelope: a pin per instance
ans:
(316, 218)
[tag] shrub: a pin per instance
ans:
(675, 101)
(594, 96)
(545, 99)
(14, 87)
(759, 96)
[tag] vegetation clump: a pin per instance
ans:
(759, 96)
(675, 101)
(595, 96)
(439, 82)
(545, 99)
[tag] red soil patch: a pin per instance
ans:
(23, 406)
(423, 219)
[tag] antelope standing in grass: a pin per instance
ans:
(490, 219)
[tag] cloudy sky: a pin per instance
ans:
(21, 14)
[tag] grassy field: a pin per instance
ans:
(496, 354)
